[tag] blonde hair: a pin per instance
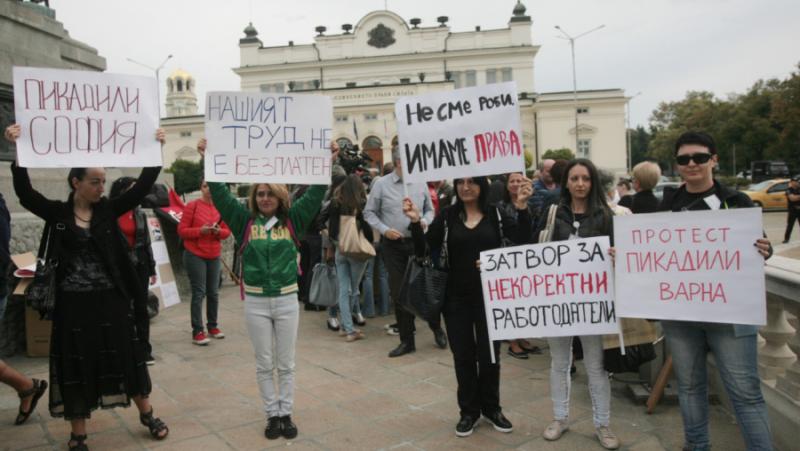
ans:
(647, 174)
(280, 191)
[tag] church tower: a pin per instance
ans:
(181, 98)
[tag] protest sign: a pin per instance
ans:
(165, 288)
(73, 118)
(279, 138)
(462, 133)
(691, 266)
(562, 288)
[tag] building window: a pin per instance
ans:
(372, 142)
(491, 76)
(405, 81)
(471, 78)
(344, 143)
(583, 110)
(507, 74)
(186, 134)
(371, 116)
(456, 77)
(341, 118)
(273, 87)
(584, 148)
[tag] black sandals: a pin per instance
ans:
(155, 425)
(38, 389)
(78, 439)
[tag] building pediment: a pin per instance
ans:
(584, 129)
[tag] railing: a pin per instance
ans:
(779, 350)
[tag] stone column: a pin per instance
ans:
(774, 356)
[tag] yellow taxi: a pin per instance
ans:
(769, 194)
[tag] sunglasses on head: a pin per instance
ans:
(698, 158)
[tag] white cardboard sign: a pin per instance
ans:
(462, 133)
(73, 118)
(280, 138)
(562, 288)
(691, 266)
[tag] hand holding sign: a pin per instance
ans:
(763, 246)
(12, 132)
(410, 210)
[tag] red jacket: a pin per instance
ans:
(196, 214)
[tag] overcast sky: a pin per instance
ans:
(661, 48)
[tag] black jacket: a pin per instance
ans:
(675, 199)
(641, 202)
(599, 223)
(142, 250)
(105, 232)
(517, 230)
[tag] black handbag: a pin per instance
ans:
(635, 356)
(41, 293)
(424, 285)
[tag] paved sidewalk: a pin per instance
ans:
(350, 396)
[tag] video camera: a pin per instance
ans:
(352, 159)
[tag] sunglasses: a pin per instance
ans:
(698, 158)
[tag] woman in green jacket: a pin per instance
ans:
(269, 229)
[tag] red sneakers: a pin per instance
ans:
(216, 333)
(200, 339)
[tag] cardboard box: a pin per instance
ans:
(22, 261)
(37, 334)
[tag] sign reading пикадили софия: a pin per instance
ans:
(73, 118)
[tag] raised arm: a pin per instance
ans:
(305, 208)
(31, 199)
(128, 200)
(232, 212)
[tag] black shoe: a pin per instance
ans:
(150, 360)
(402, 349)
(273, 429)
(499, 421)
(573, 370)
(440, 337)
(785, 241)
(522, 355)
(288, 429)
(465, 426)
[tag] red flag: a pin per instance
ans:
(176, 206)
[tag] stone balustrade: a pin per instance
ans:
(779, 352)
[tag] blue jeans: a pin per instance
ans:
(204, 278)
(736, 359)
(368, 289)
(383, 280)
(348, 273)
(561, 383)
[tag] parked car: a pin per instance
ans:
(745, 175)
(769, 194)
(767, 170)
(658, 191)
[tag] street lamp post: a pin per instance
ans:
(572, 40)
(628, 129)
(158, 81)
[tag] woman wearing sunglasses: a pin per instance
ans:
(734, 346)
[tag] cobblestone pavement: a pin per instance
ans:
(350, 396)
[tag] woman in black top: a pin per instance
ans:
(646, 176)
(96, 356)
(473, 225)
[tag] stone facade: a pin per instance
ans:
(367, 67)
(31, 36)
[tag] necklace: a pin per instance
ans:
(84, 220)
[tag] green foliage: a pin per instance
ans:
(761, 124)
(187, 174)
(528, 159)
(558, 154)
(734, 182)
(640, 141)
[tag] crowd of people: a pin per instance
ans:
(101, 344)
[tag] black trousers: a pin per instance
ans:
(792, 217)
(310, 255)
(143, 324)
(395, 257)
(478, 378)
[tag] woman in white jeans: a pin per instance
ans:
(582, 213)
(267, 233)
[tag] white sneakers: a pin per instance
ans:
(605, 436)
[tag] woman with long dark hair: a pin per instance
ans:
(133, 225)
(349, 199)
(582, 213)
(471, 225)
(97, 358)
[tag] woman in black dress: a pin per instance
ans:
(97, 358)
(470, 226)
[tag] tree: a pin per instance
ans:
(640, 141)
(558, 154)
(187, 174)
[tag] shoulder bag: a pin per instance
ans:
(41, 294)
